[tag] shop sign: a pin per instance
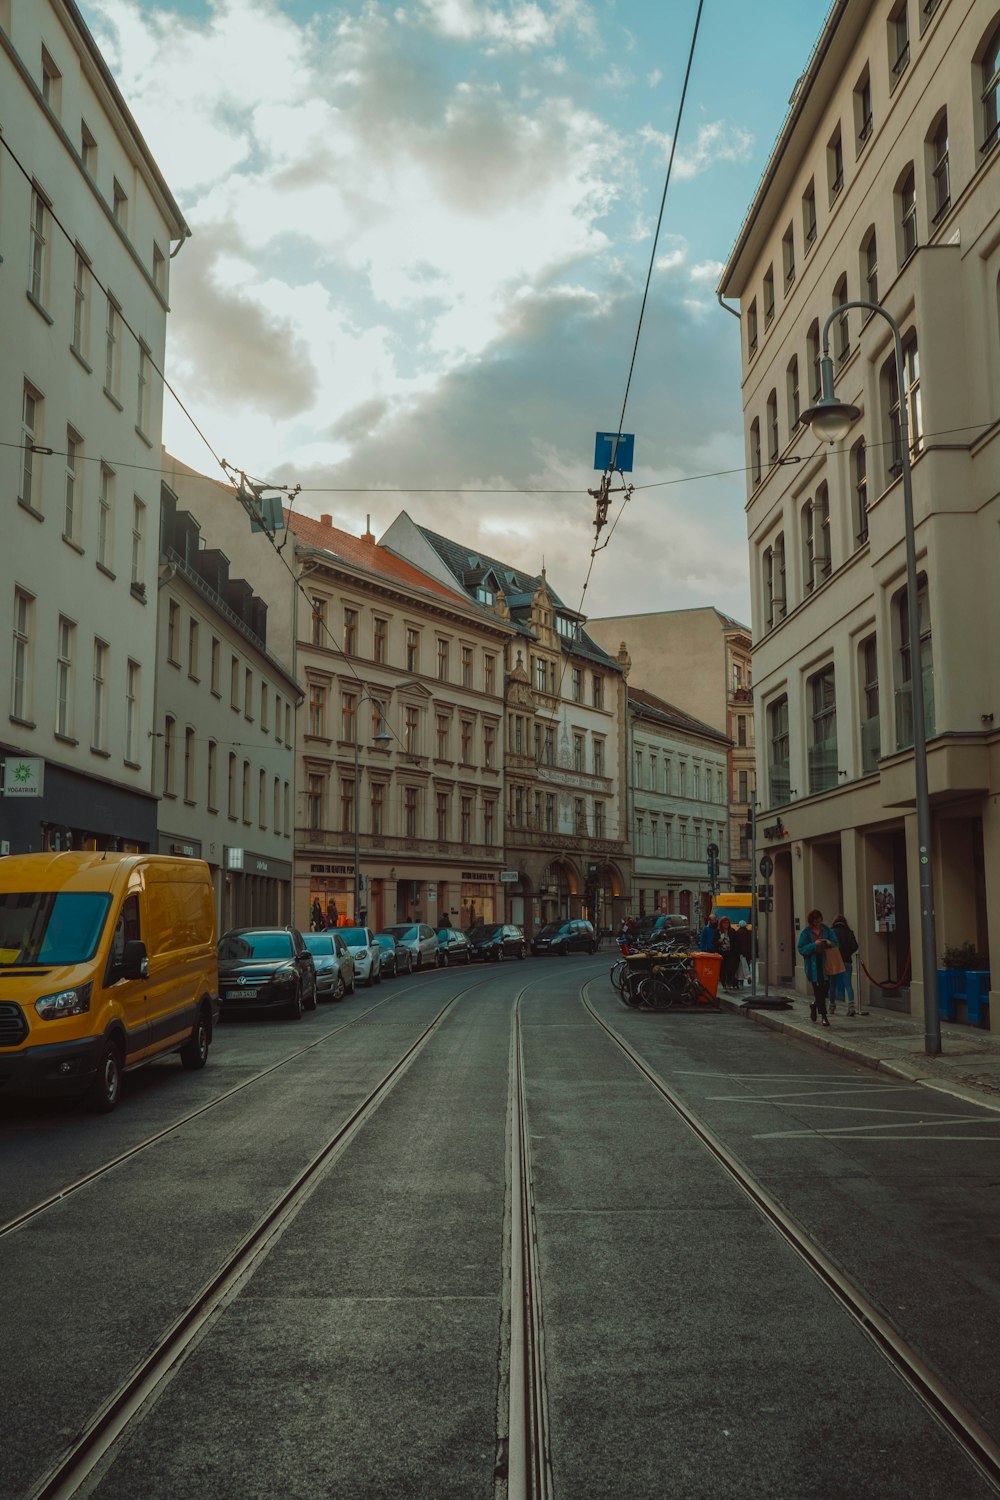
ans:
(24, 776)
(509, 877)
(331, 870)
(776, 831)
(243, 859)
(484, 877)
(186, 850)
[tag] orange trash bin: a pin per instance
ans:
(708, 967)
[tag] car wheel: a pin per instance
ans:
(442, 960)
(102, 1095)
(295, 1006)
(194, 1053)
(420, 962)
(350, 989)
(339, 989)
(501, 955)
(468, 959)
(522, 952)
(310, 1004)
(563, 950)
(378, 974)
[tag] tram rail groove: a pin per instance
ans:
(977, 1445)
(529, 1469)
(53, 1199)
(72, 1471)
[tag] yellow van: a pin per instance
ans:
(106, 961)
(736, 905)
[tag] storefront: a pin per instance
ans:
(331, 895)
(48, 807)
(256, 889)
(396, 892)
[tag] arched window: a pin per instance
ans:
(859, 482)
(792, 383)
(891, 406)
(906, 215)
(813, 345)
(772, 426)
(869, 267)
(755, 451)
(938, 172)
(990, 92)
(842, 331)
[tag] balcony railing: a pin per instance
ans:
(904, 711)
(823, 766)
(779, 785)
(871, 745)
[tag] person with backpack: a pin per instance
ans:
(842, 987)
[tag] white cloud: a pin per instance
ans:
(714, 141)
(707, 271)
(655, 78)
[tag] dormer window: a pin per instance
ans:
(566, 627)
(485, 595)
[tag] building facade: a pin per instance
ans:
(699, 660)
(566, 827)
(884, 188)
(224, 727)
(680, 812)
(86, 228)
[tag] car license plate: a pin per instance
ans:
(242, 994)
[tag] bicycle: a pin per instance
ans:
(669, 979)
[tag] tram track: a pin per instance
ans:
(976, 1444)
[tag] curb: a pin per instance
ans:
(908, 1072)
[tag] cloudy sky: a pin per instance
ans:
(421, 232)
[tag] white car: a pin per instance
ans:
(334, 964)
(366, 953)
(421, 941)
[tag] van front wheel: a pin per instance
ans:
(194, 1053)
(102, 1095)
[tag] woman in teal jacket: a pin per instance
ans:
(814, 941)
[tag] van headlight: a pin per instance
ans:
(65, 1003)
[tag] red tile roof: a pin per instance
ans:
(360, 552)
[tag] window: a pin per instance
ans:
(485, 594)
(410, 812)
(741, 729)
(823, 730)
(314, 799)
(906, 214)
(809, 215)
(142, 391)
(578, 752)
(288, 724)
(863, 109)
(442, 817)
(599, 757)
(466, 742)
(550, 812)
(774, 582)
(380, 630)
(467, 666)
(99, 701)
(835, 163)
(160, 282)
(914, 410)
(580, 815)
(752, 329)
(788, 255)
(899, 43)
(841, 328)
(871, 743)
(816, 539)
(88, 150)
(768, 296)
(317, 710)
(261, 799)
(132, 685)
(443, 729)
(193, 660)
(442, 660)
(38, 265)
(347, 806)
(772, 426)
(869, 268)
(213, 778)
(489, 746)
(489, 823)
(350, 632)
(245, 799)
(412, 649)
(777, 724)
(990, 95)
(189, 771)
(927, 9)
(792, 385)
(490, 673)
(755, 451)
(904, 664)
(248, 694)
(20, 677)
(168, 756)
(71, 519)
(598, 820)
(743, 783)
(81, 304)
(466, 819)
(378, 807)
(276, 806)
(319, 632)
(598, 699)
(111, 349)
(348, 716)
(105, 517)
(30, 487)
(576, 685)
(815, 353)
(411, 731)
(541, 674)
(216, 666)
(119, 205)
(859, 481)
(940, 175)
(138, 543)
(550, 745)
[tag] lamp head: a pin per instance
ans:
(830, 420)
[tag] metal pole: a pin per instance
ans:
(754, 913)
(357, 820)
(928, 942)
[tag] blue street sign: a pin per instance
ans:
(604, 448)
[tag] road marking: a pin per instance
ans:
(837, 1093)
(933, 1123)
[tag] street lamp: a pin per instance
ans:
(831, 420)
(380, 737)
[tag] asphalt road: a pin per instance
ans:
(688, 1350)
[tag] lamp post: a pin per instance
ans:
(380, 737)
(830, 420)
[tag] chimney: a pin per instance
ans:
(368, 535)
(327, 520)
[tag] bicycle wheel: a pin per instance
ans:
(631, 990)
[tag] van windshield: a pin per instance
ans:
(50, 927)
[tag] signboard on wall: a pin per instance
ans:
(23, 776)
(884, 898)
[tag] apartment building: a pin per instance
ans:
(698, 659)
(224, 727)
(86, 228)
(678, 792)
(566, 825)
(884, 187)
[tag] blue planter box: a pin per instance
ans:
(970, 985)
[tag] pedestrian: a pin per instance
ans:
(815, 941)
(744, 950)
(331, 913)
(843, 986)
(707, 936)
(317, 916)
(726, 945)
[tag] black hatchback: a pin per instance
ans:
(454, 946)
(494, 941)
(266, 968)
(576, 936)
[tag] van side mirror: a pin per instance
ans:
(135, 964)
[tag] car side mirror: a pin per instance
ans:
(135, 964)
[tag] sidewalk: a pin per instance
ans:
(969, 1065)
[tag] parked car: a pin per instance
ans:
(266, 968)
(395, 958)
(494, 941)
(421, 941)
(573, 936)
(366, 953)
(669, 926)
(454, 946)
(334, 964)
